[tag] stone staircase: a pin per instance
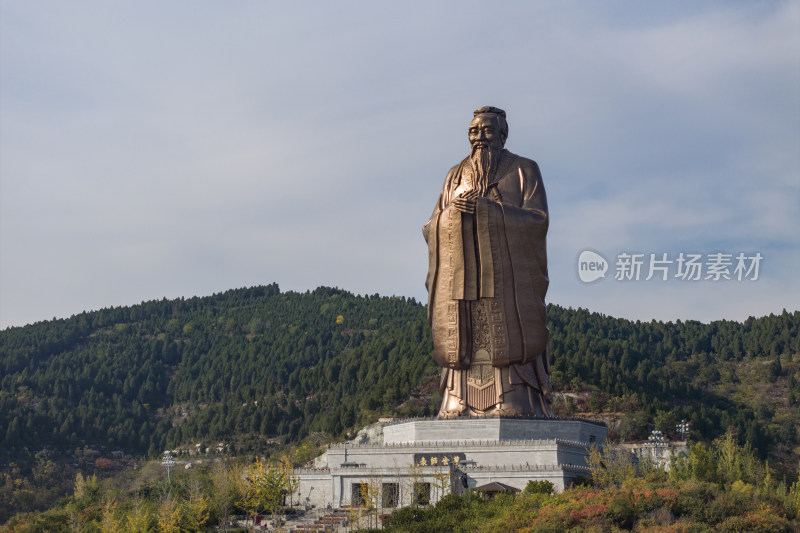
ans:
(329, 522)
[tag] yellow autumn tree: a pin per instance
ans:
(139, 519)
(226, 489)
(170, 516)
(371, 492)
(109, 522)
(610, 467)
(292, 482)
(196, 508)
(793, 499)
(264, 485)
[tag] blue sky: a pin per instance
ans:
(152, 149)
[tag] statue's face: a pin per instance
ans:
(484, 131)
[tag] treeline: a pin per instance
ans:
(249, 365)
(716, 376)
(205, 498)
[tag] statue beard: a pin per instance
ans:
(484, 160)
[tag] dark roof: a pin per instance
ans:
(495, 486)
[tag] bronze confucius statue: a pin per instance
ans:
(487, 280)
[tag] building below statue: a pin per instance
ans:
(422, 460)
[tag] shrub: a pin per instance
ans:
(649, 501)
(406, 517)
(762, 521)
(693, 499)
(539, 487)
(552, 519)
(726, 505)
(622, 511)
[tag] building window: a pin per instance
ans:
(422, 494)
(357, 493)
(390, 494)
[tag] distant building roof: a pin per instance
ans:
(496, 486)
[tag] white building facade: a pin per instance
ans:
(421, 460)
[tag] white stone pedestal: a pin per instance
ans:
(452, 456)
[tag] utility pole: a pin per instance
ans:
(656, 439)
(167, 462)
(683, 429)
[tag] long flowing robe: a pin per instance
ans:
(487, 280)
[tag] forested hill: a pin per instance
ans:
(249, 361)
(249, 365)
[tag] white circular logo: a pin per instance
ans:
(591, 266)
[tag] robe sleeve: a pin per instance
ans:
(526, 220)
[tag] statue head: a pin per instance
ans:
(488, 128)
(487, 136)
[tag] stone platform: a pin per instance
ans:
(491, 429)
(428, 458)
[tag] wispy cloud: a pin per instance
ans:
(165, 150)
